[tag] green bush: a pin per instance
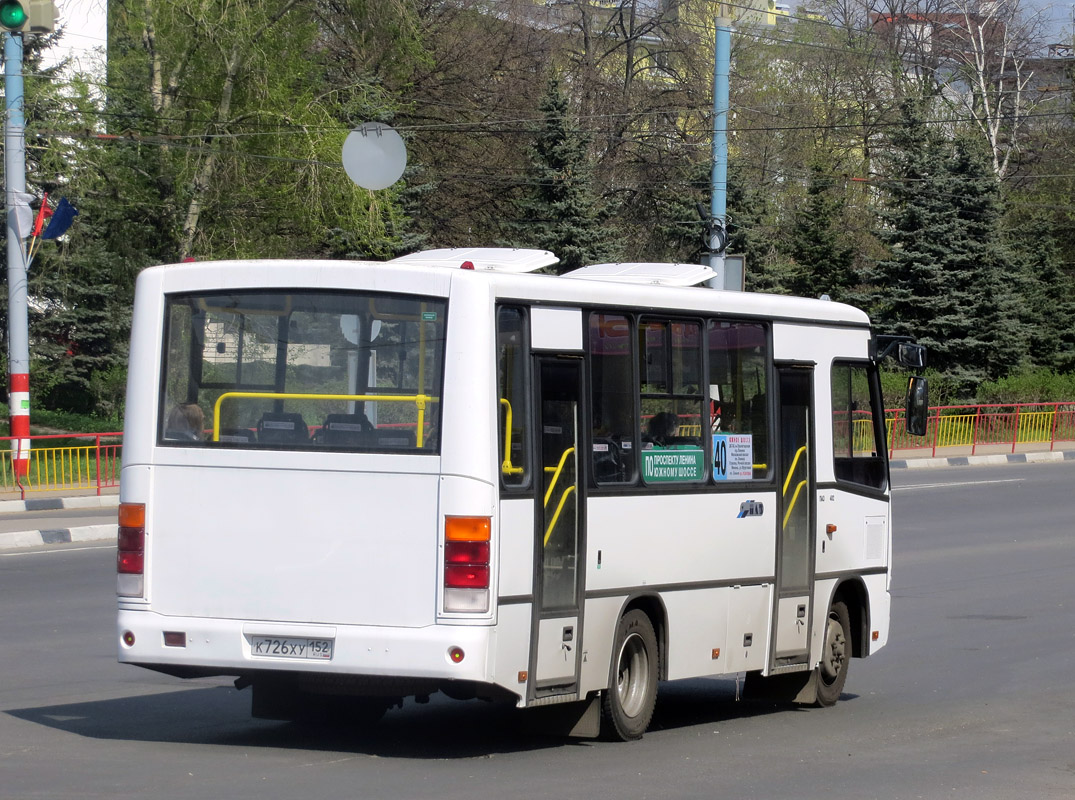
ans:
(943, 390)
(45, 421)
(1029, 386)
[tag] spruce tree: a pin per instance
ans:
(559, 211)
(942, 280)
(819, 245)
(1048, 292)
(750, 234)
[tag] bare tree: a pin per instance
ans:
(994, 52)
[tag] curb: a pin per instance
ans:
(86, 533)
(993, 460)
(58, 503)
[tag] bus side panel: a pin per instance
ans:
(880, 610)
(675, 546)
(808, 342)
(468, 443)
(599, 629)
(861, 536)
(698, 632)
(516, 573)
(249, 544)
(649, 540)
(143, 381)
(511, 652)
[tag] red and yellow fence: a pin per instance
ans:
(996, 427)
(64, 462)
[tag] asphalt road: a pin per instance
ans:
(973, 697)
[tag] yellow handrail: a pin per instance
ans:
(556, 475)
(506, 466)
(556, 516)
(787, 482)
(419, 400)
(791, 505)
(791, 471)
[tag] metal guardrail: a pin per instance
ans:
(91, 466)
(994, 426)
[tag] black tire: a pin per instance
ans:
(627, 705)
(835, 655)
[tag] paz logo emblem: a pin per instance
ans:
(751, 508)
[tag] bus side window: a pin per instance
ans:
(672, 427)
(738, 399)
(612, 407)
(857, 433)
(513, 396)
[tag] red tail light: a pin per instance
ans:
(469, 576)
(467, 563)
(466, 552)
(131, 549)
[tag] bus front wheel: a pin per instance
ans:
(627, 705)
(835, 655)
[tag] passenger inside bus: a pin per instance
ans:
(663, 428)
(186, 422)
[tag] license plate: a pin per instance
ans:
(289, 647)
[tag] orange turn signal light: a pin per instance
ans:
(132, 515)
(467, 529)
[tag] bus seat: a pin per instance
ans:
(396, 437)
(607, 464)
(237, 435)
(282, 428)
(346, 430)
(179, 435)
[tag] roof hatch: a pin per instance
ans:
(495, 259)
(647, 273)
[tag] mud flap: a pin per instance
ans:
(799, 688)
(581, 719)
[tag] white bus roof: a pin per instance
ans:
(508, 280)
(496, 259)
(656, 274)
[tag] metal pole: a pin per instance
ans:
(18, 354)
(718, 208)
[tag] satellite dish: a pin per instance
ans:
(374, 156)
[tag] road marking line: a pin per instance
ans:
(957, 483)
(48, 549)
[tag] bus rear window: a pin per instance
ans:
(303, 369)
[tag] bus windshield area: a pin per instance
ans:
(299, 369)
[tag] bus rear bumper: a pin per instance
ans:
(424, 657)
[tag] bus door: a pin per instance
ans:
(795, 527)
(559, 529)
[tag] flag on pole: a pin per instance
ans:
(62, 217)
(43, 213)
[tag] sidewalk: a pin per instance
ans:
(996, 459)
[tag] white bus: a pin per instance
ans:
(347, 483)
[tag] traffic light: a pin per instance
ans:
(43, 16)
(14, 14)
(28, 16)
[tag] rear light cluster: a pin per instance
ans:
(131, 553)
(466, 564)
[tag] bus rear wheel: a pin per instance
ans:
(627, 705)
(835, 655)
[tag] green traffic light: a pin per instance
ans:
(12, 15)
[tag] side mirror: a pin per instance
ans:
(917, 406)
(912, 356)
